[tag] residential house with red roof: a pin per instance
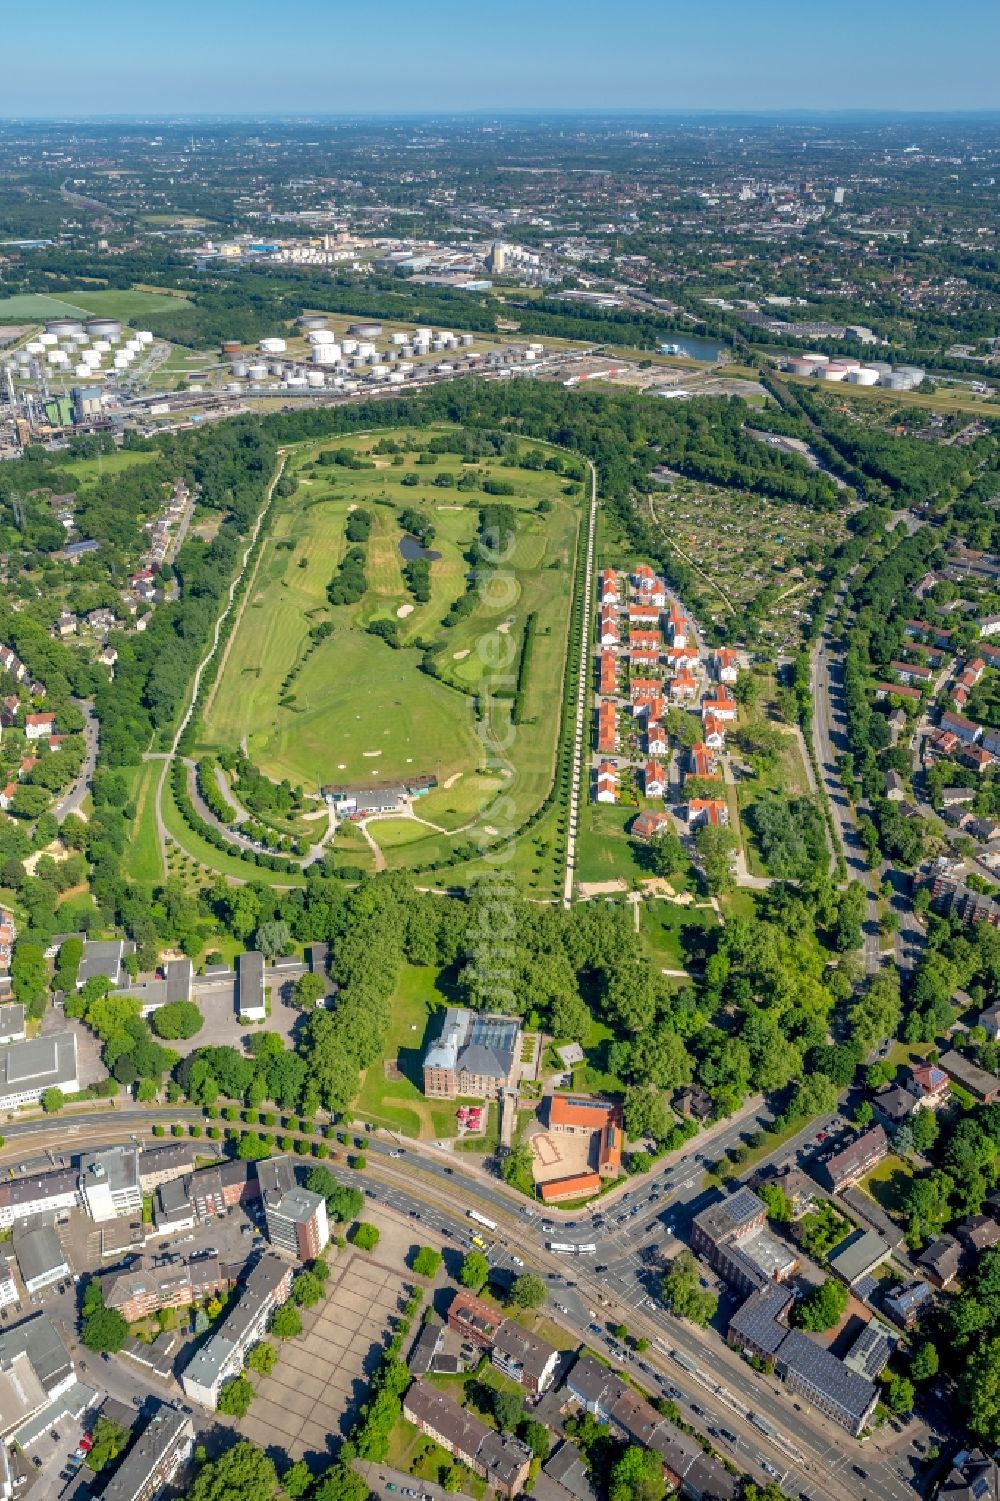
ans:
(654, 780)
(608, 668)
(726, 665)
(646, 641)
(606, 789)
(609, 587)
(701, 761)
(649, 824)
(722, 706)
(678, 624)
(713, 732)
(644, 657)
(656, 739)
(38, 726)
(607, 729)
(683, 687)
(608, 633)
(708, 810)
(681, 658)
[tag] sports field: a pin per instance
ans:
(351, 708)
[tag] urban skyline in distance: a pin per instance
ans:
(246, 60)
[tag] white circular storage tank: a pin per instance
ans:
(863, 377)
(365, 350)
(397, 338)
(101, 346)
(122, 361)
(326, 354)
(312, 320)
(104, 328)
(322, 336)
(34, 347)
(276, 367)
(90, 357)
(365, 330)
(49, 341)
(82, 372)
(133, 346)
(273, 346)
(297, 383)
(59, 358)
(815, 359)
(349, 346)
(144, 335)
(316, 379)
(239, 367)
(396, 377)
(79, 339)
(257, 371)
(233, 385)
(62, 327)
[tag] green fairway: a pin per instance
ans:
(348, 707)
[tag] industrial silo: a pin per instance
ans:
(104, 328)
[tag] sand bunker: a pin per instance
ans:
(460, 656)
(371, 753)
(450, 781)
(404, 610)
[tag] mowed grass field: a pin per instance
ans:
(353, 709)
(36, 307)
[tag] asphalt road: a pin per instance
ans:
(72, 799)
(830, 742)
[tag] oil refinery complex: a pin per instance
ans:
(96, 374)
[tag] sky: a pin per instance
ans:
(258, 57)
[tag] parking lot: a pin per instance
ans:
(312, 1393)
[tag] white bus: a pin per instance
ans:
(565, 1249)
(480, 1219)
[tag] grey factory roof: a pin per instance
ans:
(38, 1064)
(39, 1253)
(251, 981)
(756, 1321)
(11, 1021)
(174, 986)
(858, 1254)
(102, 958)
(159, 1436)
(842, 1388)
(475, 1044)
(39, 1339)
(974, 1476)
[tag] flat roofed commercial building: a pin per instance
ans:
(844, 1395)
(12, 1023)
(28, 1069)
(296, 1218)
(109, 1183)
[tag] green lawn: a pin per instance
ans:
(354, 709)
(398, 1102)
(143, 859)
(887, 1184)
(604, 851)
(36, 307)
(592, 1076)
(86, 470)
(670, 933)
(211, 858)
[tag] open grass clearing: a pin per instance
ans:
(887, 1184)
(143, 859)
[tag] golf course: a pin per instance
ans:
(345, 668)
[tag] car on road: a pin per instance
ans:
(398, 1153)
(516, 1260)
(602, 1267)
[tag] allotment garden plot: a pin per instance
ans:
(352, 669)
(749, 551)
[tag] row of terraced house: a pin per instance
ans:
(649, 640)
